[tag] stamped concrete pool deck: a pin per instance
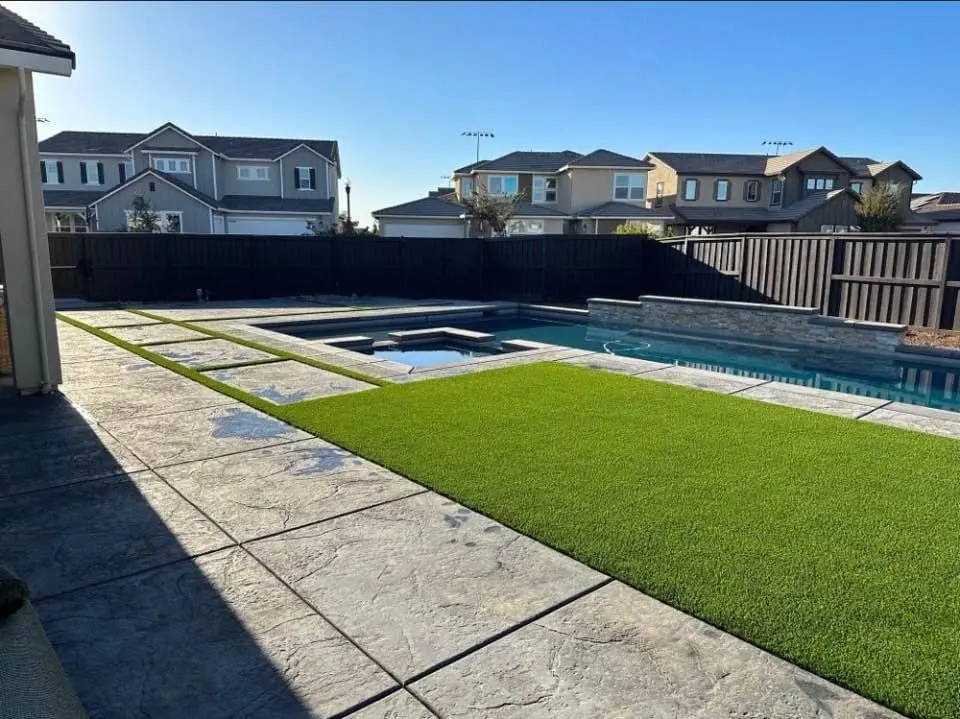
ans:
(192, 557)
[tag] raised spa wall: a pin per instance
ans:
(746, 321)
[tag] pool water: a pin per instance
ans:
(429, 355)
(923, 383)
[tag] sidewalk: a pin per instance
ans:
(190, 556)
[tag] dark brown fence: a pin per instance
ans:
(113, 267)
(902, 278)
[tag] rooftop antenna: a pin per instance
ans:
(447, 178)
(42, 119)
(779, 144)
(477, 134)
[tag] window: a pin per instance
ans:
(502, 184)
(525, 227)
(172, 164)
(466, 187)
(66, 222)
(721, 190)
(124, 171)
(820, 183)
(776, 192)
(751, 191)
(658, 200)
(170, 220)
(894, 186)
(305, 178)
(253, 172)
(544, 189)
(857, 187)
(690, 189)
(630, 187)
(51, 172)
(827, 228)
(91, 173)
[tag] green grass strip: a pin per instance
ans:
(192, 374)
(353, 374)
(830, 542)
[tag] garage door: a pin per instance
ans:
(426, 229)
(266, 225)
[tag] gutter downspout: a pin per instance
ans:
(32, 234)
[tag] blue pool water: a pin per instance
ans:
(428, 355)
(920, 383)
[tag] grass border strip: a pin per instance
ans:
(283, 354)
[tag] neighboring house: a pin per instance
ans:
(27, 323)
(806, 191)
(562, 193)
(941, 208)
(195, 183)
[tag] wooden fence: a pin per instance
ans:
(902, 278)
(112, 267)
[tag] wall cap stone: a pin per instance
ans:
(753, 306)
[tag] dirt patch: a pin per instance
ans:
(947, 339)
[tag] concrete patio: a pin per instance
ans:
(190, 556)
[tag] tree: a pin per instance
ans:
(317, 227)
(491, 212)
(879, 209)
(646, 229)
(142, 218)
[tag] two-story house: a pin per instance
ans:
(561, 193)
(806, 191)
(195, 183)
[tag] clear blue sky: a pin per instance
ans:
(396, 83)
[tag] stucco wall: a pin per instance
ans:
(305, 158)
(71, 172)
(111, 212)
(229, 184)
(736, 192)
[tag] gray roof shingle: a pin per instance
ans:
(256, 203)
(606, 158)
(70, 198)
(860, 165)
(179, 184)
(939, 207)
(424, 207)
(687, 163)
(526, 209)
(23, 36)
(522, 161)
(116, 143)
(624, 210)
(791, 213)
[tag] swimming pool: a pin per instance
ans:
(919, 383)
(429, 355)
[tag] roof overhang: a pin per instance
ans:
(35, 62)
(420, 217)
(301, 146)
(163, 128)
(84, 154)
(903, 166)
(311, 213)
(622, 168)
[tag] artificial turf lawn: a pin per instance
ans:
(830, 542)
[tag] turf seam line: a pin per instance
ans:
(515, 627)
(875, 409)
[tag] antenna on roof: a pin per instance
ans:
(447, 178)
(477, 134)
(777, 144)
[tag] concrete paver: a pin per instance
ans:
(209, 353)
(612, 363)
(417, 581)
(108, 318)
(148, 334)
(288, 381)
(399, 705)
(919, 419)
(120, 369)
(817, 400)
(703, 379)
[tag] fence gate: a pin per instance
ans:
(69, 265)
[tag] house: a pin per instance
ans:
(563, 192)
(941, 208)
(810, 190)
(196, 183)
(28, 334)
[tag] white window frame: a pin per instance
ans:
(691, 182)
(857, 187)
(93, 172)
(172, 165)
(726, 190)
(819, 183)
(128, 169)
(253, 173)
(526, 227)
(776, 193)
(303, 174)
(500, 180)
(53, 178)
(541, 193)
(466, 186)
(634, 181)
(75, 222)
(827, 229)
(164, 216)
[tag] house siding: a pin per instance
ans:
(171, 138)
(305, 158)
(705, 197)
(71, 172)
(111, 212)
(594, 187)
(841, 210)
(229, 184)
(904, 179)
(666, 175)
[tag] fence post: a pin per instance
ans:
(831, 305)
(742, 270)
(941, 277)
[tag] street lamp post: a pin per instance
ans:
(346, 188)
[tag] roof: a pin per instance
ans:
(701, 163)
(802, 207)
(526, 209)
(522, 161)
(70, 198)
(22, 36)
(441, 192)
(791, 213)
(938, 207)
(868, 167)
(256, 203)
(606, 158)
(164, 176)
(623, 210)
(424, 207)
(116, 143)
(467, 169)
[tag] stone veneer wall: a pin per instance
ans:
(746, 321)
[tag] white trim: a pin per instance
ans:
(133, 162)
(169, 152)
(96, 216)
(211, 222)
(533, 189)
(156, 175)
(502, 176)
(427, 217)
(154, 160)
(621, 168)
(163, 128)
(299, 174)
(56, 173)
(629, 187)
(96, 166)
(82, 154)
(213, 168)
(33, 62)
(658, 218)
(305, 147)
(253, 173)
(63, 208)
(193, 171)
(281, 178)
(274, 212)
